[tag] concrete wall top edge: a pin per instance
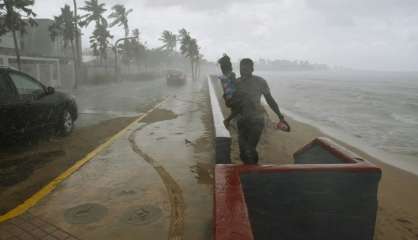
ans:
(218, 117)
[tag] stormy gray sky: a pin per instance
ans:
(366, 34)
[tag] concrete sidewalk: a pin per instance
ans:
(155, 182)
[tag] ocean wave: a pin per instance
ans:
(381, 114)
(412, 106)
(407, 119)
(401, 150)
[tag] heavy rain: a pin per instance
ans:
(189, 119)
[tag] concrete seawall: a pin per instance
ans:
(222, 135)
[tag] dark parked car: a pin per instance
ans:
(29, 107)
(176, 78)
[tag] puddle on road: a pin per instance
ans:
(85, 213)
(121, 193)
(110, 113)
(203, 144)
(142, 215)
(203, 173)
(159, 115)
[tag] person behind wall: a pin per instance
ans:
(250, 116)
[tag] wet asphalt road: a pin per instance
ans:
(122, 99)
(103, 111)
(153, 182)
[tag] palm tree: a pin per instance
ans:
(135, 33)
(137, 49)
(190, 49)
(64, 26)
(193, 54)
(95, 11)
(169, 40)
(17, 15)
(78, 61)
(100, 41)
(185, 39)
(120, 17)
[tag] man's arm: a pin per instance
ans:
(271, 102)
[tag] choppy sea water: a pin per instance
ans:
(378, 110)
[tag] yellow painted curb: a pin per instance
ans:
(30, 202)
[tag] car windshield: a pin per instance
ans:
(192, 119)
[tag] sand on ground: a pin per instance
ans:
(397, 216)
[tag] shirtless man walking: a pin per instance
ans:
(250, 119)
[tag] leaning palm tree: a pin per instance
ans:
(184, 38)
(77, 46)
(169, 40)
(100, 41)
(17, 15)
(193, 54)
(64, 27)
(95, 11)
(138, 49)
(135, 33)
(120, 17)
(190, 49)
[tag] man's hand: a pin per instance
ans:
(283, 125)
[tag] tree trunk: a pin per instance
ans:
(198, 69)
(192, 64)
(126, 44)
(77, 62)
(105, 63)
(194, 70)
(17, 51)
(115, 50)
(21, 42)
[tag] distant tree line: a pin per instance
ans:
(132, 50)
(287, 65)
(17, 15)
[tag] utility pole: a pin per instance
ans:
(77, 62)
